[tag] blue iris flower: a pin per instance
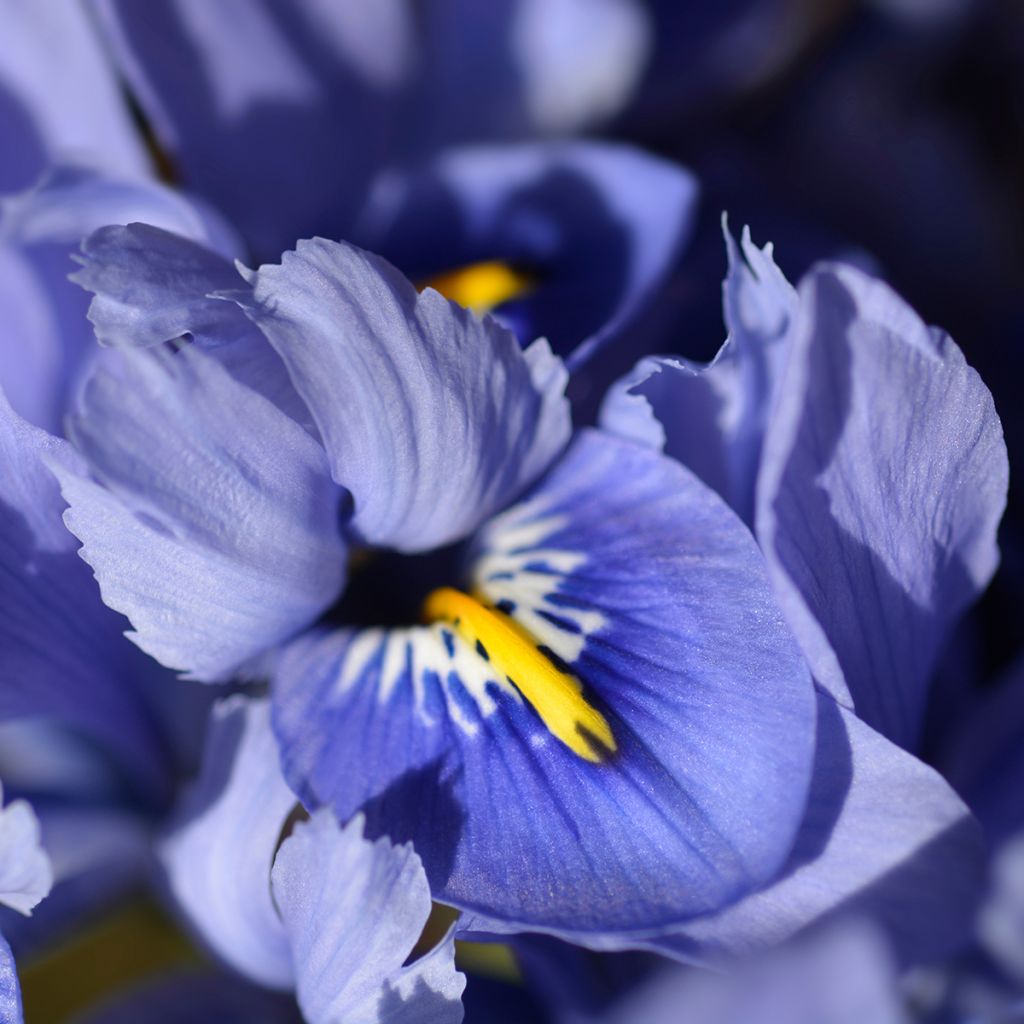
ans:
(412, 424)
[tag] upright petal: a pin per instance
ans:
(25, 872)
(713, 418)
(217, 542)
(883, 480)
(353, 910)
(59, 96)
(61, 650)
(432, 418)
(617, 738)
(884, 836)
(219, 849)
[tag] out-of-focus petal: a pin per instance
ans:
(595, 227)
(217, 542)
(713, 418)
(843, 975)
(59, 96)
(884, 836)
(25, 872)
(627, 570)
(219, 849)
(432, 418)
(1001, 919)
(61, 650)
(883, 480)
(353, 910)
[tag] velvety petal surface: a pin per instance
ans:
(713, 417)
(595, 228)
(884, 836)
(25, 872)
(216, 542)
(61, 650)
(353, 910)
(432, 418)
(883, 480)
(219, 849)
(683, 785)
(59, 96)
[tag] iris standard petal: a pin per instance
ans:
(353, 910)
(25, 872)
(432, 418)
(59, 95)
(217, 542)
(594, 229)
(883, 480)
(10, 990)
(595, 809)
(884, 835)
(713, 417)
(61, 650)
(219, 849)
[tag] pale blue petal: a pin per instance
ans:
(10, 990)
(884, 836)
(219, 849)
(629, 570)
(25, 872)
(217, 542)
(432, 418)
(713, 418)
(353, 910)
(883, 480)
(59, 96)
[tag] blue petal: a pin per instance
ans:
(10, 990)
(59, 96)
(46, 341)
(599, 226)
(713, 418)
(633, 573)
(1001, 918)
(61, 649)
(220, 847)
(353, 911)
(432, 418)
(884, 836)
(843, 974)
(216, 542)
(297, 102)
(25, 872)
(883, 480)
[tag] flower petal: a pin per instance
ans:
(59, 96)
(353, 910)
(629, 571)
(713, 418)
(61, 650)
(884, 835)
(432, 418)
(25, 872)
(220, 847)
(10, 990)
(216, 542)
(883, 481)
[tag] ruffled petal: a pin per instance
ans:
(59, 96)
(883, 480)
(595, 227)
(713, 418)
(216, 542)
(432, 418)
(684, 781)
(25, 872)
(884, 836)
(61, 650)
(353, 910)
(219, 849)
